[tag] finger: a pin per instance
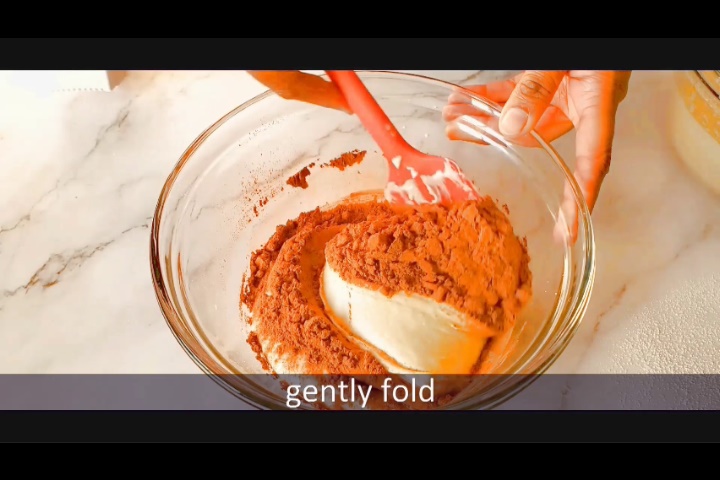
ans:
(594, 139)
(304, 87)
(466, 123)
(566, 226)
(552, 125)
(593, 150)
(497, 92)
(455, 132)
(529, 100)
(595, 134)
(592, 161)
(454, 111)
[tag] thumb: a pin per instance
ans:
(529, 100)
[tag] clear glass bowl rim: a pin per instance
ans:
(175, 320)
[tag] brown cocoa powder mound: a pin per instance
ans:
(283, 293)
(466, 256)
(291, 319)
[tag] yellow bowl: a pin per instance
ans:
(695, 124)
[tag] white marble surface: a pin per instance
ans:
(80, 175)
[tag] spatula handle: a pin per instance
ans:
(372, 116)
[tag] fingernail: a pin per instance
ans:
(513, 121)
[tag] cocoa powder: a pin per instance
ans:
(465, 255)
(283, 293)
(342, 162)
(299, 179)
(347, 159)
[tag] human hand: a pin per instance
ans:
(303, 87)
(552, 103)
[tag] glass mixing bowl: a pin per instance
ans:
(228, 192)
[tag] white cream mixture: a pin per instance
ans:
(406, 333)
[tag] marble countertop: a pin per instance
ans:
(80, 174)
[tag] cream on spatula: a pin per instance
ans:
(413, 177)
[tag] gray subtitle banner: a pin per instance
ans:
(201, 392)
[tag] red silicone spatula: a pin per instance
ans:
(414, 177)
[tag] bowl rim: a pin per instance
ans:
(701, 82)
(174, 319)
(711, 80)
